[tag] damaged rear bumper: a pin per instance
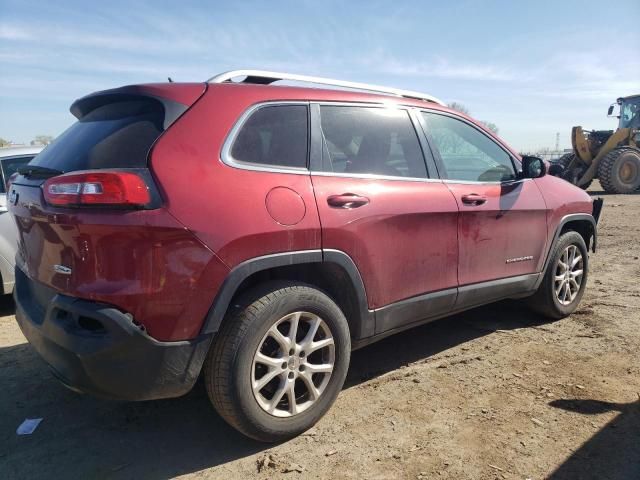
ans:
(97, 349)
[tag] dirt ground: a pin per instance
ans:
(492, 393)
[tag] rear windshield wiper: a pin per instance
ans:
(36, 171)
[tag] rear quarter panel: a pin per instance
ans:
(224, 206)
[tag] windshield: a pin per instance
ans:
(630, 113)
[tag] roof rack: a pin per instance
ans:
(263, 77)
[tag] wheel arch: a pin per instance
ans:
(585, 227)
(332, 271)
(582, 223)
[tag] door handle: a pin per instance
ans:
(347, 200)
(473, 199)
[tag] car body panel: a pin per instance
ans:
(224, 194)
(144, 262)
(125, 303)
(408, 230)
(504, 237)
(8, 231)
(165, 266)
(562, 199)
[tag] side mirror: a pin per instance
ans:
(533, 167)
(610, 111)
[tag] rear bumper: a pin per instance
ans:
(95, 348)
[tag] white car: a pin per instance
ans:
(11, 158)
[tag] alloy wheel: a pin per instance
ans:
(569, 273)
(293, 364)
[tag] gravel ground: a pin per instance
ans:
(492, 393)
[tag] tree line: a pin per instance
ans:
(37, 140)
(458, 107)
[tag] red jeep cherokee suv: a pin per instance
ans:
(256, 234)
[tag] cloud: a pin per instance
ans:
(10, 32)
(57, 36)
(584, 75)
(383, 62)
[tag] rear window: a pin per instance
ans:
(115, 135)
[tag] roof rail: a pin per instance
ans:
(263, 77)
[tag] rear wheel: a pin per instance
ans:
(279, 361)
(565, 279)
(619, 171)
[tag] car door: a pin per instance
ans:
(378, 205)
(502, 227)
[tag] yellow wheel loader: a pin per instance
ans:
(611, 156)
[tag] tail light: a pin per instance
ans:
(97, 188)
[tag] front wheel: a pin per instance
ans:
(279, 361)
(565, 278)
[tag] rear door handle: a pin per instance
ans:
(474, 199)
(347, 200)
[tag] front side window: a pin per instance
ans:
(468, 154)
(274, 136)
(362, 140)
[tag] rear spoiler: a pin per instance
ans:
(176, 98)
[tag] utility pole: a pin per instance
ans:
(557, 141)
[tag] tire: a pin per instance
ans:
(545, 301)
(231, 368)
(559, 167)
(586, 185)
(573, 175)
(619, 171)
(565, 159)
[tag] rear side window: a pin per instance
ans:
(274, 136)
(116, 135)
(377, 141)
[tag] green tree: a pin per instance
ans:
(491, 126)
(3, 142)
(458, 107)
(42, 140)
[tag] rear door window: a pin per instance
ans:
(365, 140)
(116, 135)
(274, 136)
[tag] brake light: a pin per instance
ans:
(97, 188)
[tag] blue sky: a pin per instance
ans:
(533, 68)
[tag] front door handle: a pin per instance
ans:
(347, 200)
(473, 199)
